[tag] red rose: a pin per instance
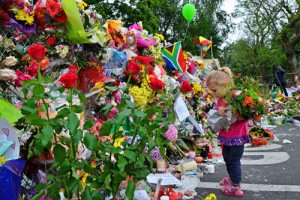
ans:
(132, 68)
(69, 79)
(50, 41)
(73, 68)
(186, 87)
(21, 77)
(37, 52)
(156, 84)
(32, 68)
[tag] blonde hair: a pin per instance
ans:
(222, 77)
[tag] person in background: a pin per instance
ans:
(232, 139)
(280, 78)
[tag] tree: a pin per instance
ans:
(275, 21)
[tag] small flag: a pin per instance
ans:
(206, 44)
(174, 57)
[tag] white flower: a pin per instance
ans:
(10, 61)
(7, 74)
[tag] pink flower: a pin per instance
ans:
(171, 133)
(112, 113)
(21, 77)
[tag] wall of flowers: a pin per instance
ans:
(90, 101)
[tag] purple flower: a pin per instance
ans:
(155, 154)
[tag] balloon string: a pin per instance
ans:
(187, 28)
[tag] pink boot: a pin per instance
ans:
(230, 190)
(225, 181)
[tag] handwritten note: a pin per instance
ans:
(167, 179)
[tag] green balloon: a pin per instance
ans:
(188, 11)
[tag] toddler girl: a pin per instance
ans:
(233, 138)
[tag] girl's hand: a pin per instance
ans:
(238, 116)
(222, 111)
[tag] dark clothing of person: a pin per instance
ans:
(280, 79)
(232, 156)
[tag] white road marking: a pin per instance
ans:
(256, 187)
(264, 147)
(269, 158)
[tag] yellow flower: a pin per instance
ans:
(30, 18)
(2, 160)
(99, 85)
(21, 15)
(81, 4)
(118, 142)
(197, 88)
(140, 95)
(211, 196)
(160, 36)
(83, 179)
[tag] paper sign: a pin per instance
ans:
(181, 108)
(167, 179)
(7, 133)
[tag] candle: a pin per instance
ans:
(164, 198)
(187, 166)
(211, 169)
(160, 164)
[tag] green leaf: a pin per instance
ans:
(141, 173)
(38, 147)
(46, 135)
(112, 89)
(107, 109)
(106, 128)
(73, 122)
(29, 107)
(73, 184)
(82, 98)
(86, 194)
(131, 155)
(29, 82)
(87, 125)
(38, 89)
(122, 162)
(78, 109)
(38, 122)
(78, 135)
(121, 116)
(46, 80)
(90, 141)
(63, 112)
(59, 153)
(130, 104)
(139, 113)
(141, 160)
(130, 190)
(108, 181)
(171, 117)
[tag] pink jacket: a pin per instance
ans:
(236, 134)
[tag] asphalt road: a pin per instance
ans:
(270, 172)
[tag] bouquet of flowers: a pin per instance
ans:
(246, 99)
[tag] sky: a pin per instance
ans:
(228, 6)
